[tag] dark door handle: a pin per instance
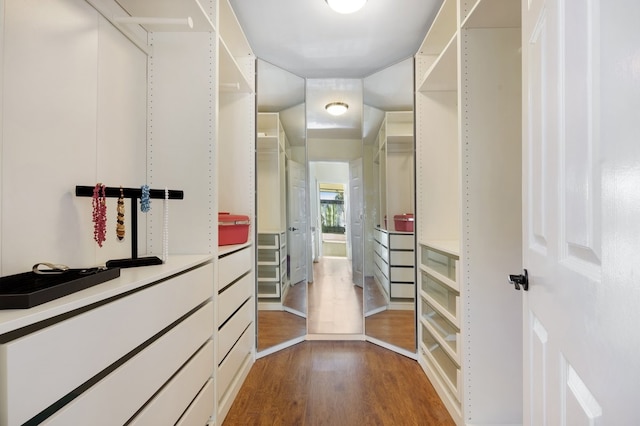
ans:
(292, 228)
(520, 280)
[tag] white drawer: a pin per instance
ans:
(443, 297)
(403, 291)
(201, 410)
(382, 265)
(170, 403)
(447, 369)
(401, 242)
(232, 330)
(402, 258)
(232, 266)
(382, 280)
(81, 346)
(234, 362)
(234, 296)
(132, 384)
(402, 274)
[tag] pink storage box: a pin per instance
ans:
(404, 222)
(232, 229)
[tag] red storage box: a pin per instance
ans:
(404, 222)
(232, 229)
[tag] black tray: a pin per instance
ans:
(30, 289)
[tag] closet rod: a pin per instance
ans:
(139, 20)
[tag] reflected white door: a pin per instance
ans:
(297, 227)
(356, 216)
(581, 344)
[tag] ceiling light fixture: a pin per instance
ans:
(336, 108)
(346, 6)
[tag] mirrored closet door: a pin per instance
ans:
(281, 208)
(390, 204)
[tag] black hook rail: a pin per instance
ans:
(134, 194)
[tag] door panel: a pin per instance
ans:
(562, 224)
(297, 221)
(356, 214)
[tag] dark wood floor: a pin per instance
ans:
(337, 383)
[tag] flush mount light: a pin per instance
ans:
(346, 6)
(336, 108)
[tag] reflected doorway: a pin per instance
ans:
(334, 300)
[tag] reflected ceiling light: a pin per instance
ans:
(346, 6)
(336, 108)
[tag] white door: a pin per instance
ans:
(356, 216)
(581, 211)
(297, 227)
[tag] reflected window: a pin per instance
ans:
(332, 209)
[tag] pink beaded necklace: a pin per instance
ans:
(99, 204)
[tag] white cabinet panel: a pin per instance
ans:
(168, 405)
(80, 347)
(234, 296)
(130, 386)
(200, 411)
(232, 266)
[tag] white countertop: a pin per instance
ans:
(129, 279)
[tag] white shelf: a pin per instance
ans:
(443, 28)
(442, 76)
(169, 9)
(493, 14)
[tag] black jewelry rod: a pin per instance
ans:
(114, 192)
(133, 194)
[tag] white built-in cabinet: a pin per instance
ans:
(468, 194)
(200, 139)
(271, 154)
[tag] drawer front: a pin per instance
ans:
(269, 255)
(170, 403)
(80, 347)
(232, 266)
(201, 410)
(382, 237)
(402, 258)
(132, 384)
(234, 296)
(232, 330)
(233, 362)
(403, 291)
(401, 242)
(382, 265)
(382, 280)
(444, 365)
(442, 294)
(443, 329)
(402, 274)
(440, 262)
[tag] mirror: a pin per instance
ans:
(280, 208)
(335, 164)
(389, 291)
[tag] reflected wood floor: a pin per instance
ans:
(335, 303)
(275, 327)
(337, 383)
(393, 326)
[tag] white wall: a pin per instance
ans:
(74, 113)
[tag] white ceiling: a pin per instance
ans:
(309, 39)
(364, 59)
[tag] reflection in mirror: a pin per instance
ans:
(390, 192)
(334, 153)
(281, 215)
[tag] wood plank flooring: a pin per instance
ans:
(335, 303)
(340, 383)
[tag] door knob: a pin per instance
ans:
(520, 280)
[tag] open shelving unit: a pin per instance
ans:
(468, 235)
